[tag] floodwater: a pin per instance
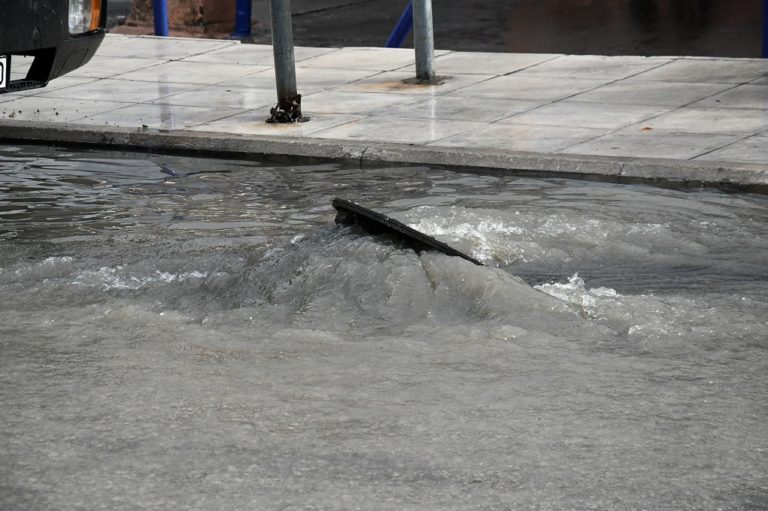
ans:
(181, 333)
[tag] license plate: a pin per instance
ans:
(5, 71)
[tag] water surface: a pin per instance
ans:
(181, 333)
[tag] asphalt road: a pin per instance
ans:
(724, 28)
(727, 28)
(117, 11)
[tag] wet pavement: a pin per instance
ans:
(690, 119)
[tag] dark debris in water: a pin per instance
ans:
(372, 222)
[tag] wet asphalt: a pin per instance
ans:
(722, 28)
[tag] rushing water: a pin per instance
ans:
(181, 333)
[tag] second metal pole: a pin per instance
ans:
(160, 15)
(765, 29)
(288, 107)
(423, 39)
(243, 10)
(402, 28)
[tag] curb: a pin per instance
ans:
(665, 172)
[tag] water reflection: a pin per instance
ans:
(65, 194)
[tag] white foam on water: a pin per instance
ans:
(527, 234)
(117, 278)
(51, 261)
(576, 293)
(483, 236)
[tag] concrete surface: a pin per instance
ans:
(703, 120)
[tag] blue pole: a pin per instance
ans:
(242, 19)
(160, 13)
(403, 27)
(765, 29)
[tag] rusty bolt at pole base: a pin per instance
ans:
(288, 107)
(287, 110)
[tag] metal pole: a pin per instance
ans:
(242, 19)
(423, 38)
(160, 14)
(288, 107)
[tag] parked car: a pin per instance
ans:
(60, 35)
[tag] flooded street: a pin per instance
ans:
(186, 333)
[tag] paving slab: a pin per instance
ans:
(707, 71)
(594, 66)
(254, 54)
(482, 63)
(339, 102)
(636, 143)
(531, 88)
(158, 116)
(158, 47)
(676, 119)
(107, 67)
(252, 123)
(193, 72)
(415, 131)
(54, 109)
(311, 80)
(243, 99)
(635, 92)
(127, 91)
(460, 108)
(378, 59)
(742, 96)
(586, 115)
(712, 120)
(750, 149)
(521, 137)
(397, 82)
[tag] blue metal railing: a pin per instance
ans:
(417, 16)
(765, 29)
(242, 19)
(403, 27)
(160, 14)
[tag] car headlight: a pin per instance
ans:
(84, 15)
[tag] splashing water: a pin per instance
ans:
(195, 334)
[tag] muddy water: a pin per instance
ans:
(180, 333)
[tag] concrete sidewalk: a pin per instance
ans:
(703, 120)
